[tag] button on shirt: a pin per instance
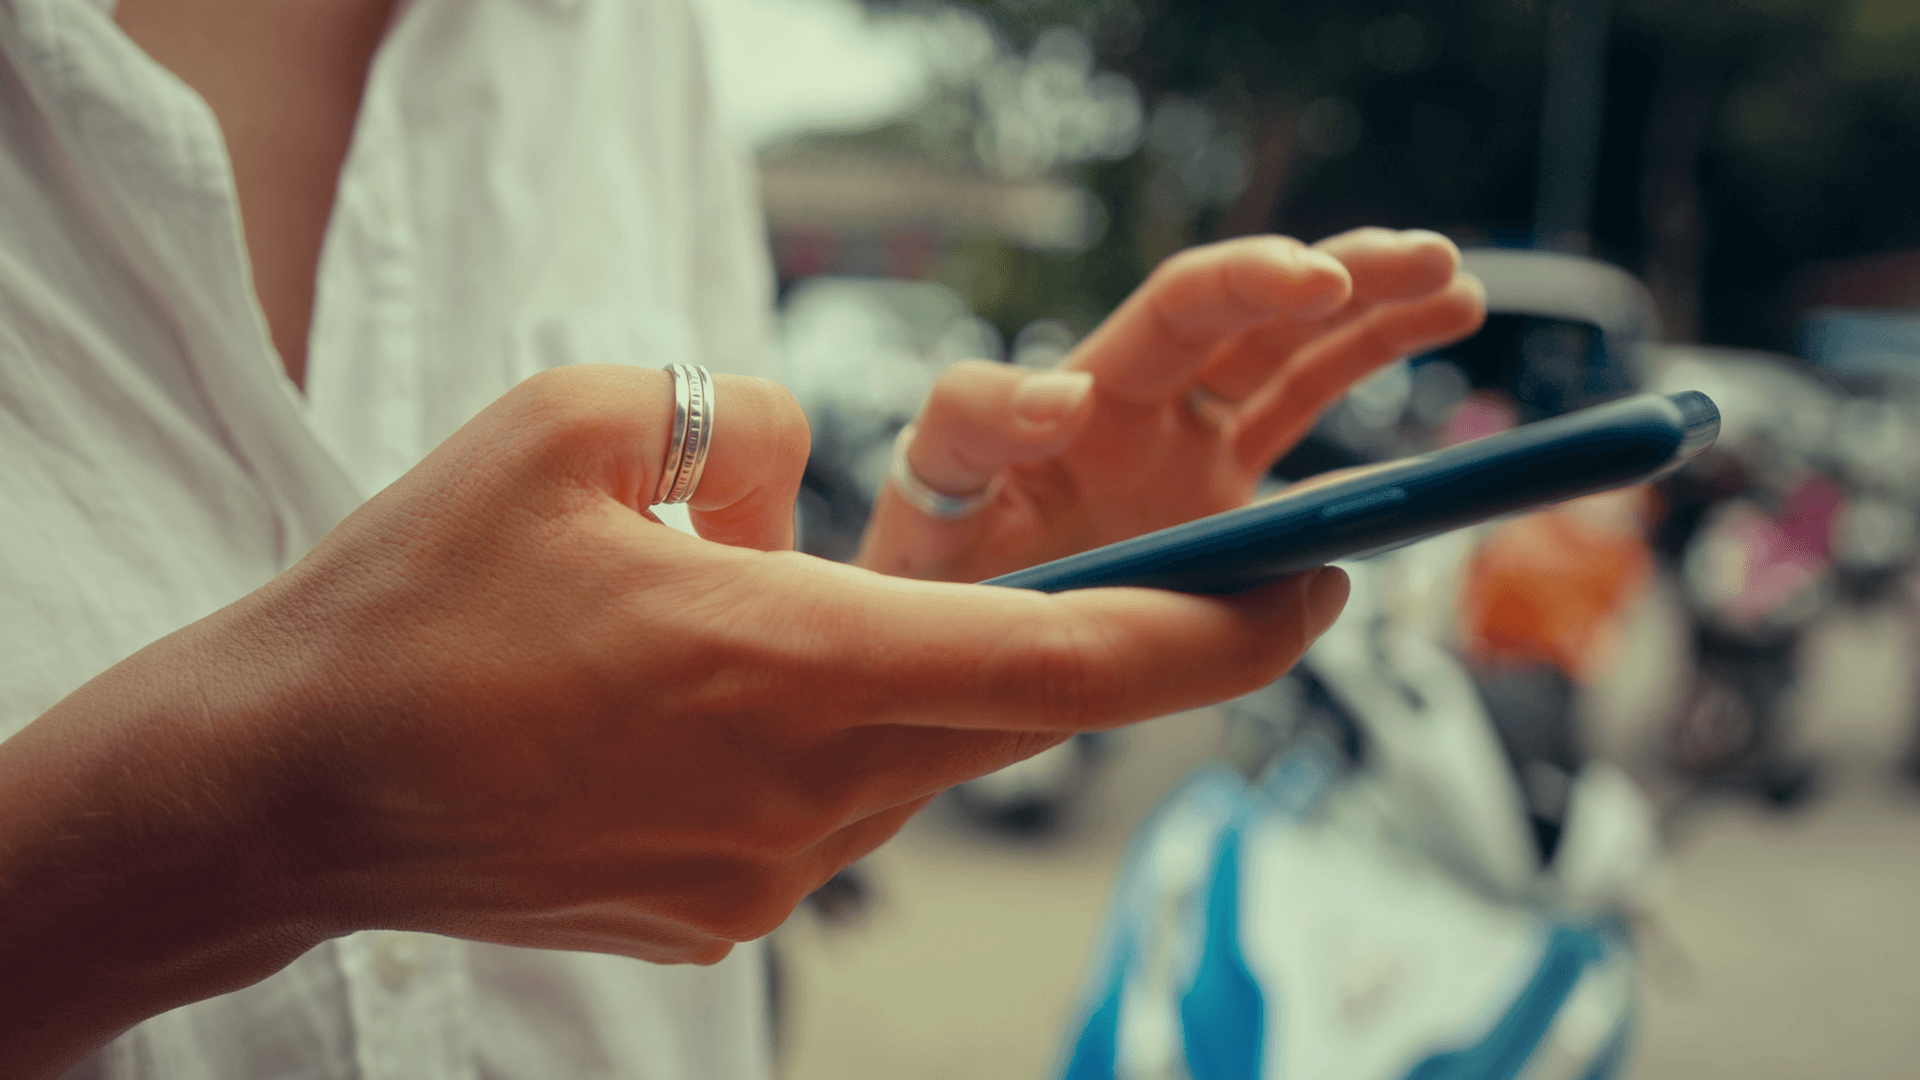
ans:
(530, 184)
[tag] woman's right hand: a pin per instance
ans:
(500, 702)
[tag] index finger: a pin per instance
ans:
(946, 655)
(1389, 264)
(1154, 342)
(1389, 269)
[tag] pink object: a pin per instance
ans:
(1484, 413)
(1806, 518)
(1753, 565)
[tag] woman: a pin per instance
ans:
(261, 259)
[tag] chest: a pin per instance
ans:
(284, 81)
(523, 185)
(494, 220)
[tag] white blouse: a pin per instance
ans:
(531, 183)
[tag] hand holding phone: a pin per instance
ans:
(1625, 442)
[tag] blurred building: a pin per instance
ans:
(846, 210)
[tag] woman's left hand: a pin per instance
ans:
(1174, 407)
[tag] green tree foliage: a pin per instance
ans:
(1742, 139)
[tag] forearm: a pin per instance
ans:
(136, 869)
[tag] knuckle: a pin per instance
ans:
(755, 902)
(547, 397)
(800, 827)
(764, 921)
(560, 416)
(831, 806)
(545, 384)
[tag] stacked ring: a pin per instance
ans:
(692, 433)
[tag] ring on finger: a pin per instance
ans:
(923, 496)
(1210, 407)
(692, 434)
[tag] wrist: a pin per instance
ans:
(143, 862)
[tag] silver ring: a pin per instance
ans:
(1210, 407)
(692, 433)
(925, 499)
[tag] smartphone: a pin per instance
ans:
(1380, 507)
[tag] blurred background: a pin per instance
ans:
(1660, 195)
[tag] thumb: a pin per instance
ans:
(612, 426)
(983, 417)
(753, 471)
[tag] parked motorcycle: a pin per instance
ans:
(1376, 902)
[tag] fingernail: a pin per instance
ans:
(1280, 251)
(1326, 596)
(1313, 267)
(1046, 397)
(1428, 236)
(1316, 257)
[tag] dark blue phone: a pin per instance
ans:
(1384, 506)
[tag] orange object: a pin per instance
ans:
(1548, 587)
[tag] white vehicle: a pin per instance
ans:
(1377, 904)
